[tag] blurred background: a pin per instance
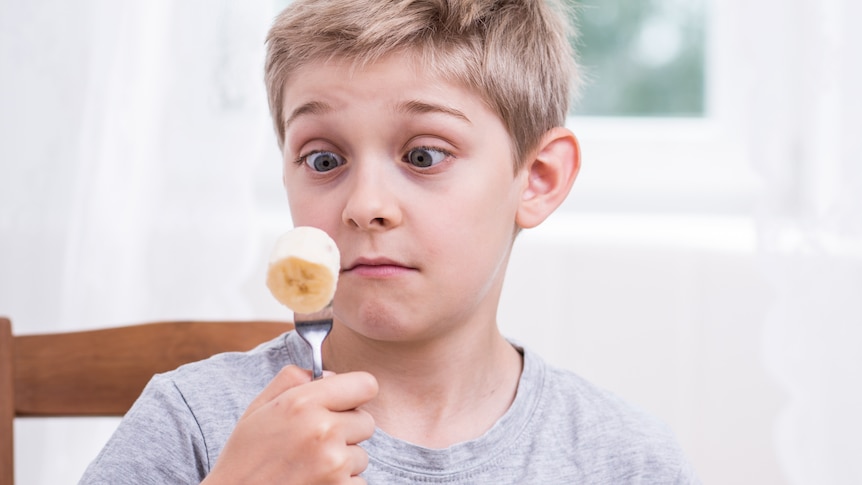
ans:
(707, 265)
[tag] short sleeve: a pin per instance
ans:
(158, 441)
(687, 476)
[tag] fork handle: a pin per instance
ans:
(316, 362)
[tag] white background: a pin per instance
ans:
(707, 270)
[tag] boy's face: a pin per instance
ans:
(412, 177)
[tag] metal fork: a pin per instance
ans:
(314, 328)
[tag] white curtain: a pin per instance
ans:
(131, 136)
(800, 68)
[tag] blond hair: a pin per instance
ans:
(515, 54)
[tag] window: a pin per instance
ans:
(643, 58)
(652, 142)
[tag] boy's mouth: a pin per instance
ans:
(376, 267)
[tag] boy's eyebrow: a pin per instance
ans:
(420, 107)
(409, 107)
(312, 107)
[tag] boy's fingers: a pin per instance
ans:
(343, 392)
(336, 392)
(360, 427)
(287, 378)
(358, 458)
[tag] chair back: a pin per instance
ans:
(102, 372)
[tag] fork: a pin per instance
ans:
(314, 328)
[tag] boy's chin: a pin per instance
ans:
(382, 324)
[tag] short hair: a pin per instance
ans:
(516, 55)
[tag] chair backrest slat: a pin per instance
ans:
(7, 404)
(101, 372)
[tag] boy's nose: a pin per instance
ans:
(371, 204)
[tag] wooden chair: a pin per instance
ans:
(102, 372)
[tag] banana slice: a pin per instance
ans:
(303, 269)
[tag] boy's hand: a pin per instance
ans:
(301, 431)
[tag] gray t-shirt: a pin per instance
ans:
(559, 430)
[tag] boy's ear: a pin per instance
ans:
(549, 176)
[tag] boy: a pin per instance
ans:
(422, 135)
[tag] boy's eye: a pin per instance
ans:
(323, 161)
(425, 157)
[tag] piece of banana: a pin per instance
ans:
(303, 269)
